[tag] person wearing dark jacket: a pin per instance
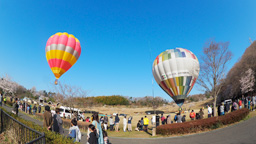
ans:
(141, 123)
(218, 110)
(183, 119)
(48, 120)
(138, 126)
(226, 107)
(57, 122)
(117, 120)
(16, 107)
(92, 139)
(201, 113)
(39, 109)
(23, 106)
(34, 110)
(157, 120)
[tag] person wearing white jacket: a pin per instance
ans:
(125, 123)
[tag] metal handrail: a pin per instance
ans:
(41, 135)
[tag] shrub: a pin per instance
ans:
(50, 137)
(203, 124)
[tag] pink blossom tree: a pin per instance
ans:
(247, 81)
(7, 85)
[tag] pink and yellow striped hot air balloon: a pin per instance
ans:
(62, 51)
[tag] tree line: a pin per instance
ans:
(233, 83)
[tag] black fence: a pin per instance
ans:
(21, 133)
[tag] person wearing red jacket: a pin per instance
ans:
(240, 104)
(192, 115)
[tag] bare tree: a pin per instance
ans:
(247, 81)
(214, 62)
(67, 94)
(7, 85)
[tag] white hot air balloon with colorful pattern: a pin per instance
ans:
(176, 71)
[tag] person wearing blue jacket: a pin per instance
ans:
(117, 120)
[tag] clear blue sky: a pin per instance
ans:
(116, 37)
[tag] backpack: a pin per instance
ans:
(73, 134)
(175, 118)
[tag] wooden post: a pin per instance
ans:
(2, 129)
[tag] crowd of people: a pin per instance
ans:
(95, 134)
(97, 130)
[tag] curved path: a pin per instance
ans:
(241, 133)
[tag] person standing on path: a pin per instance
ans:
(105, 137)
(30, 109)
(57, 122)
(5, 99)
(179, 118)
(23, 106)
(130, 123)
(34, 110)
(96, 123)
(146, 122)
(253, 103)
(201, 113)
(183, 119)
(235, 106)
(249, 104)
(157, 120)
(39, 109)
(16, 107)
(222, 112)
(240, 104)
(246, 102)
(192, 115)
(48, 120)
(124, 123)
(1, 99)
(74, 131)
(92, 138)
(162, 119)
(111, 123)
(169, 120)
(141, 123)
(209, 111)
(117, 120)
(105, 122)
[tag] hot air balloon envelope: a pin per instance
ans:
(176, 71)
(62, 51)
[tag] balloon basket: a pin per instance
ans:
(56, 82)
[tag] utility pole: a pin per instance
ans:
(153, 94)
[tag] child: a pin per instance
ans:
(92, 139)
(74, 131)
(105, 136)
(87, 119)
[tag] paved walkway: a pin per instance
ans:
(241, 133)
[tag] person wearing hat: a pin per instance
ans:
(48, 120)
